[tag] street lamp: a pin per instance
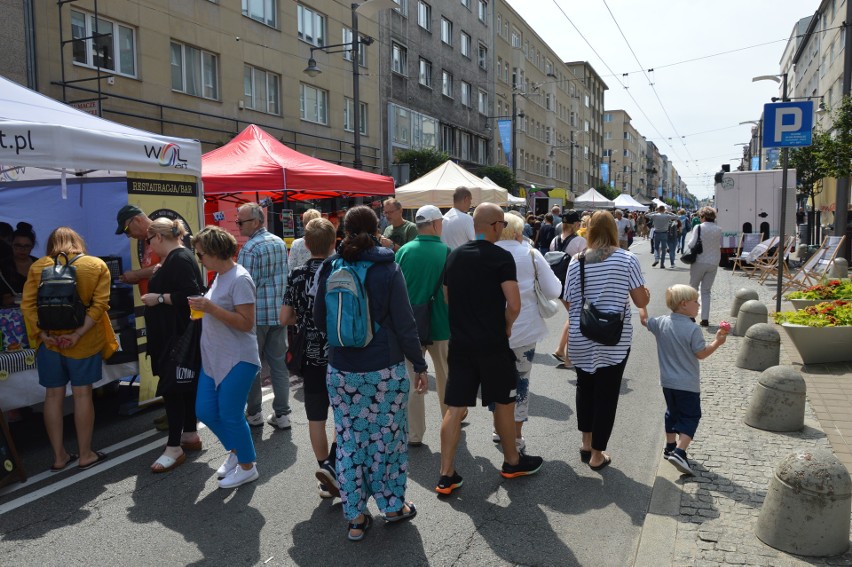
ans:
(370, 9)
(571, 145)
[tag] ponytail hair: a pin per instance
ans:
(360, 225)
(170, 229)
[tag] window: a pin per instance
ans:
(464, 145)
(466, 4)
(446, 31)
(516, 37)
(447, 83)
(548, 101)
(194, 72)
(483, 56)
(348, 118)
(313, 104)
(448, 140)
(261, 90)
(483, 11)
(403, 6)
(399, 59)
(114, 51)
(465, 94)
(401, 125)
(425, 73)
(264, 11)
(311, 26)
(424, 15)
(465, 44)
(482, 104)
(607, 135)
(347, 53)
(607, 117)
(482, 146)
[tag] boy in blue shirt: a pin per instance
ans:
(680, 345)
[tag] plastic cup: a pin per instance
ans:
(195, 313)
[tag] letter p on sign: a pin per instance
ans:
(793, 119)
(788, 124)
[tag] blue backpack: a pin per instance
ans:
(347, 319)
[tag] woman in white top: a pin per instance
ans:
(299, 253)
(702, 272)
(611, 278)
(529, 327)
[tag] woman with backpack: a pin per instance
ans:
(571, 244)
(69, 350)
(368, 384)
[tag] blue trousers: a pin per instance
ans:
(223, 409)
(660, 241)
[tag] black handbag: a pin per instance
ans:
(181, 364)
(691, 256)
(599, 326)
(296, 351)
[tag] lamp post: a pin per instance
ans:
(759, 124)
(570, 145)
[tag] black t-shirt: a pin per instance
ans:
(297, 297)
(545, 236)
(474, 274)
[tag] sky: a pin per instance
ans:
(694, 115)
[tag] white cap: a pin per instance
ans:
(428, 213)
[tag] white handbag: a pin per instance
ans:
(547, 308)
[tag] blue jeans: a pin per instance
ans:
(272, 346)
(660, 240)
(672, 247)
(222, 409)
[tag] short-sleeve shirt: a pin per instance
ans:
(297, 297)
(622, 225)
(403, 234)
(457, 228)
(678, 339)
(265, 258)
(223, 347)
(475, 272)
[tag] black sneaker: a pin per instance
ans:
(680, 462)
(655, 263)
(328, 476)
(449, 483)
(527, 465)
(666, 452)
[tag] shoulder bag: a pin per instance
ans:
(181, 363)
(692, 255)
(546, 307)
(423, 312)
(599, 326)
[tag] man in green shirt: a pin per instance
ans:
(422, 263)
(399, 231)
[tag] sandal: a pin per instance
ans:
(168, 463)
(585, 456)
(363, 526)
(101, 458)
(71, 458)
(557, 356)
(191, 445)
(607, 460)
(400, 515)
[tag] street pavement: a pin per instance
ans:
(637, 511)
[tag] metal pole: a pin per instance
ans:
(515, 135)
(356, 90)
(571, 173)
(782, 244)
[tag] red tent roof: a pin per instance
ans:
(255, 161)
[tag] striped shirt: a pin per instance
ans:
(265, 258)
(608, 286)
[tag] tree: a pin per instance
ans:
(609, 192)
(836, 161)
(421, 161)
(499, 174)
(809, 171)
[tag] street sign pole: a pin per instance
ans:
(782, 242)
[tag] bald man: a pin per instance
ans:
(481, 289)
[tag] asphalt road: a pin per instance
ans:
(121, 514)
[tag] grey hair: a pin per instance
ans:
(257, 211)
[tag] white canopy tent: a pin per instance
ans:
(626, 202)
(437, 187)
(657, 203)
(38, 131)
(591, 199)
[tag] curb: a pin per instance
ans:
(660, 526)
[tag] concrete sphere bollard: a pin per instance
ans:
(839, 268)
(807, 505)
(761, 348)
(740, 297)
(778, 399)
(751, 313)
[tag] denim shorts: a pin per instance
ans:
(56, 370)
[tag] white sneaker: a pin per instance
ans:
(495, 437)
(239, 477)
(255, 419)
(281, 422)
(228, 466)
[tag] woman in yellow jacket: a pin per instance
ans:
(72, 355)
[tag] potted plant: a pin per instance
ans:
(821, 332)
(826, 290)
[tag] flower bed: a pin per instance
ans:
(827, 290)
(837, 313)
(821, 333)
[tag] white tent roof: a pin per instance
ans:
(39, 131)
(625, 201)
(437, 187)
(591, 199)
(512, 200)
(658, 202)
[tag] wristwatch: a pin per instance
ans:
(161, 299)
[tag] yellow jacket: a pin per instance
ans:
(93, 286)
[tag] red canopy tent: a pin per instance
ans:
(256, 162)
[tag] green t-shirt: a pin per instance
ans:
(422, 263)
(405, 233)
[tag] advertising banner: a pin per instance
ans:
(505, 129)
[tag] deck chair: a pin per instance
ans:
(817, 265)
(748, 240)
(767, 270)
(762, 253)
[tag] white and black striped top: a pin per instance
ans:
(608, 286)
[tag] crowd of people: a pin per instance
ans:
(465, 288)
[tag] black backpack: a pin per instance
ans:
(558, 259)
(58, 304)
(674, 232)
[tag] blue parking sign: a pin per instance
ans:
(788, 124)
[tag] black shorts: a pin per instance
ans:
(495, 373)
(316, 392)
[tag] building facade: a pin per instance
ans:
(625, 150)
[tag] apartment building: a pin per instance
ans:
(624, 150)
(653, 171)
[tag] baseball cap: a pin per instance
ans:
(126, 213)
(571, 217)
(428, 213)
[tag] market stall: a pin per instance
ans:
(628, 203)
(437, 187)
(591, 199)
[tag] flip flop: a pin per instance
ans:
(402, 516)
(101, 458)
(71, 458)
(585, 456)
(603, 465)
(558, 357)
(168, 463)
(363, 526)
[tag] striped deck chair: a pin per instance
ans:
(768, 270)
(817, 266)
(762, 253)
(748, 240)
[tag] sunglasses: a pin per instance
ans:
(149, 239)
(199, 254)
(504, 223)
(241, 222)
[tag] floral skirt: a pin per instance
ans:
(371, 421)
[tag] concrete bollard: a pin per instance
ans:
(807, 505)
(778, 399)
(761, 348)
(839, 268)
(740, 297)
(751, 313)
